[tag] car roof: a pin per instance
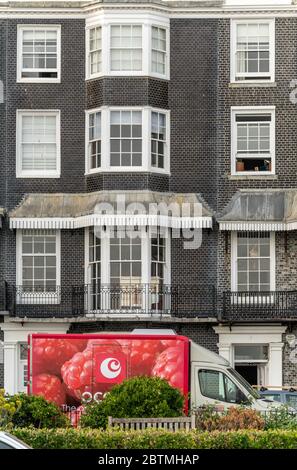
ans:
(278, 392)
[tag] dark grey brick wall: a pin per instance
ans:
(127, 181)
(1, 363)
(127, 91)
(278, 96)
(193, 103)
(67, 96)
(203, 335)
(290, 361)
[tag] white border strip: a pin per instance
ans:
(258, 226)
(109, 220)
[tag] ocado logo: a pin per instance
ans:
(110, 368)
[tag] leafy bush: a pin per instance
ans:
(155, 439)
(208, 419)
(36, 411)
(280, 418)
(8, 406)
(138, 397)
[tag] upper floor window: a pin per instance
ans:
(252, 50)
(38, 144)
(39, 53)
(253, 139)
(131, 139)
(95, 50)
(159, 48)
(126, 138)
(122, 47)
(126, 48)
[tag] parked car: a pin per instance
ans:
(286, 397)
(7, 441)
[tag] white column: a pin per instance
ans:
(225, 350)
(10, 367)
(275, 365)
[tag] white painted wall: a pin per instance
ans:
(15, 333)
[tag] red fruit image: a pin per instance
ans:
(80, 344)
(170, 366)
(50, 354)
(142, 355)
(170, 343)
(78, 373)
(50, 387)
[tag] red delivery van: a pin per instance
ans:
(75, 369)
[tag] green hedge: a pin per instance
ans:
(155, 439)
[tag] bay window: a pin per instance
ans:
(158, 139)
(38, 264)
(253, 141)
(252, 50)
(39, 53)
(94, 145)
(127, 139)
(95, 51)
(119, 46)
(253, 260)
(125, 48)
(38, 144)
(159, 47)
(127, 269)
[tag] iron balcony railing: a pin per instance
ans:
(93, 300)
(259, 306)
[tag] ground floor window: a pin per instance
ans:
(38, 265)
(253, 261)
(127, 269)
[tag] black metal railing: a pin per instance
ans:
(94, 299)
(258, 306)
(180, 301)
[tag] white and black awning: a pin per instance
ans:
(102, 208)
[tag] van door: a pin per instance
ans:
(213, 386)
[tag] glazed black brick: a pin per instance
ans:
(127, 181)
(127, 91)
(201, 334)
(193, 106)
(67, 96)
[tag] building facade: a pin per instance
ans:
(149, 176)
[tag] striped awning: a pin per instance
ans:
(270, 210)
(129, 208)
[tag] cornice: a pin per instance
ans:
(174, 9)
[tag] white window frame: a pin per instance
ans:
(147, 22)
(146, 141)
(252, 110)
(233, 35)
(234, 263)
(23, 297)
(146, 236)
(88, 53)
(20, 173)
(20, 29)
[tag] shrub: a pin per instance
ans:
(8, 406)
(36, 411)
(280, 418)
(155, 439)
(138, 397)
(208, 419)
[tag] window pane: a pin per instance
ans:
(39, 53)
